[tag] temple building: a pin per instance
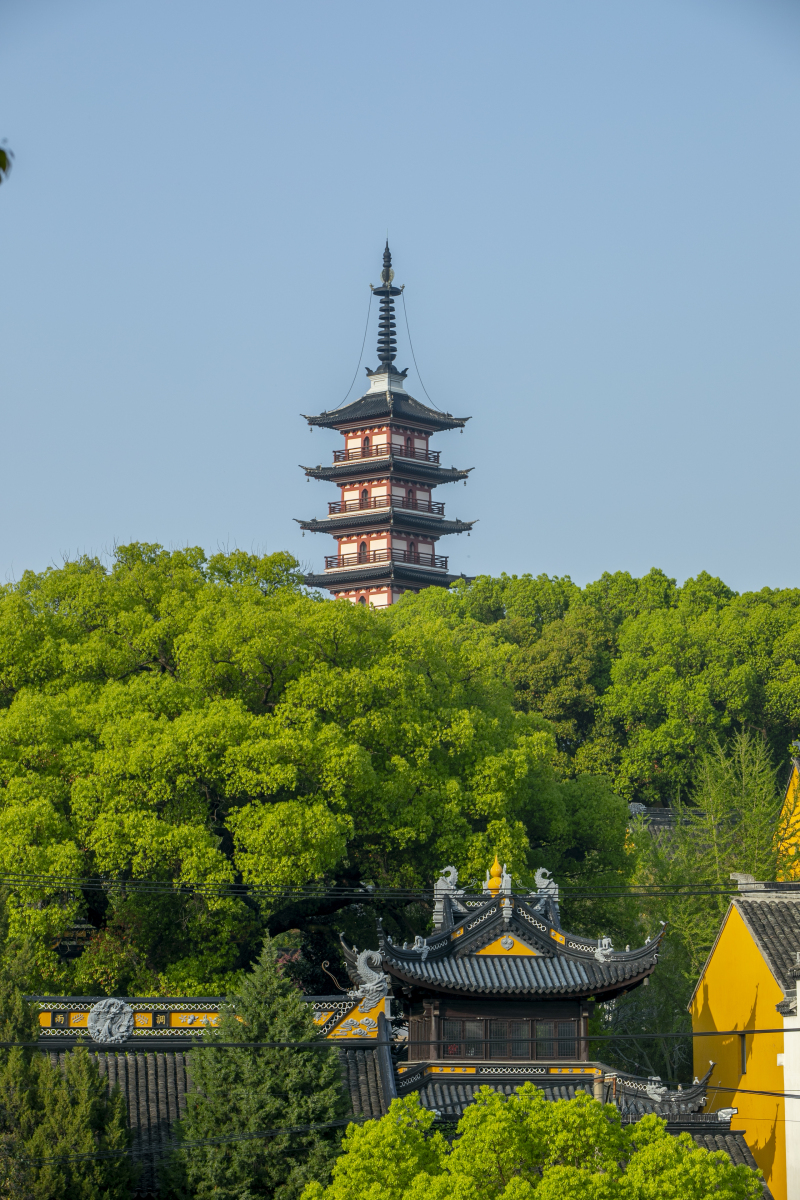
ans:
(497, 995)
(749, 983)
(385, 521)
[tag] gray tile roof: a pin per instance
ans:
(374, 405)
(541, 976)
(562, 964)
(774, 920)
(155, 1085)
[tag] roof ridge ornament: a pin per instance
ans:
(445, 885)
(494, 878)
(373, 984)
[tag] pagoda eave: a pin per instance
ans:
(577, 991)
(382, 575)
(383, 406)
(402, 468)
(409, 522)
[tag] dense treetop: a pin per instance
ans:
(187, 719)
(525, 1147)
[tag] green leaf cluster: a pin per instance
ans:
(187, 719)
(50, 1111)
(243, 1091)
(523, 1147)
(639, 676)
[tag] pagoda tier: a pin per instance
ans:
(385, 521)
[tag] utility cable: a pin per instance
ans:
(413, 355)
(361, 355)
(137, 1151)
(366, 892)
(369, 1043)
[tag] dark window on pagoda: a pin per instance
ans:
(366, 444)
(410, 498)
(412, 550)
(409, 450)
(362, 552)
(365, 498)
(362, 599)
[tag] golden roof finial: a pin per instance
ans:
(494, 876)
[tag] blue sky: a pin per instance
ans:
(593, 205)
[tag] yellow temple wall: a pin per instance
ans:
(788, 835)
(738, 991)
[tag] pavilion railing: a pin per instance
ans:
(384, 449)
(426, 506)
(378, 556)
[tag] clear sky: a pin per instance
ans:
(594, 206)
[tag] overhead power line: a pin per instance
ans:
(370, 1043)
(137, 1151)
(360, 892)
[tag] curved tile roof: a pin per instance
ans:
(460, 957)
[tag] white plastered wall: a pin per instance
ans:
(791, 1086)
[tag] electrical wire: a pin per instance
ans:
(370, 1043)
(413, 355)
(362, 892)
(361, 355)
(135, 1151)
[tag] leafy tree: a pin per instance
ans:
(48, 1112)
(729, 826)
(242, 1091)
(523, 1147)
(188, 720)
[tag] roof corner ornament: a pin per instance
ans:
(422, 946)
(445, 885)
(366, 971)
(747, 883)
(604, 951)
(655, 1089)
(545, 884)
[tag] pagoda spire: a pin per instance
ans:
(387, 345)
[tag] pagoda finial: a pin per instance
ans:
(387, 346)
(494, 877)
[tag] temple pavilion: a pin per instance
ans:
(497, 995)
(385, 521)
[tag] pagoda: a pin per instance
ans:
(385, 521)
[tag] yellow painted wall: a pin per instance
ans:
(788, 832)
(738, 991)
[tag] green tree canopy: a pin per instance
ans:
(193, 720)
(523, 1147)
(638, 677)
(243, 1091)
(49, 1112)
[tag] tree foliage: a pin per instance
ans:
(49, 1112)
(731, 826)
(184, 719)
(639, 676)
(243, 1091)
(523, 1147)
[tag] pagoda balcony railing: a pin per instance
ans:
(332, 561)
(346, 506)
(381, 451)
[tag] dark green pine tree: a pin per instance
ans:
(50, 1111)
(242, 1091)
